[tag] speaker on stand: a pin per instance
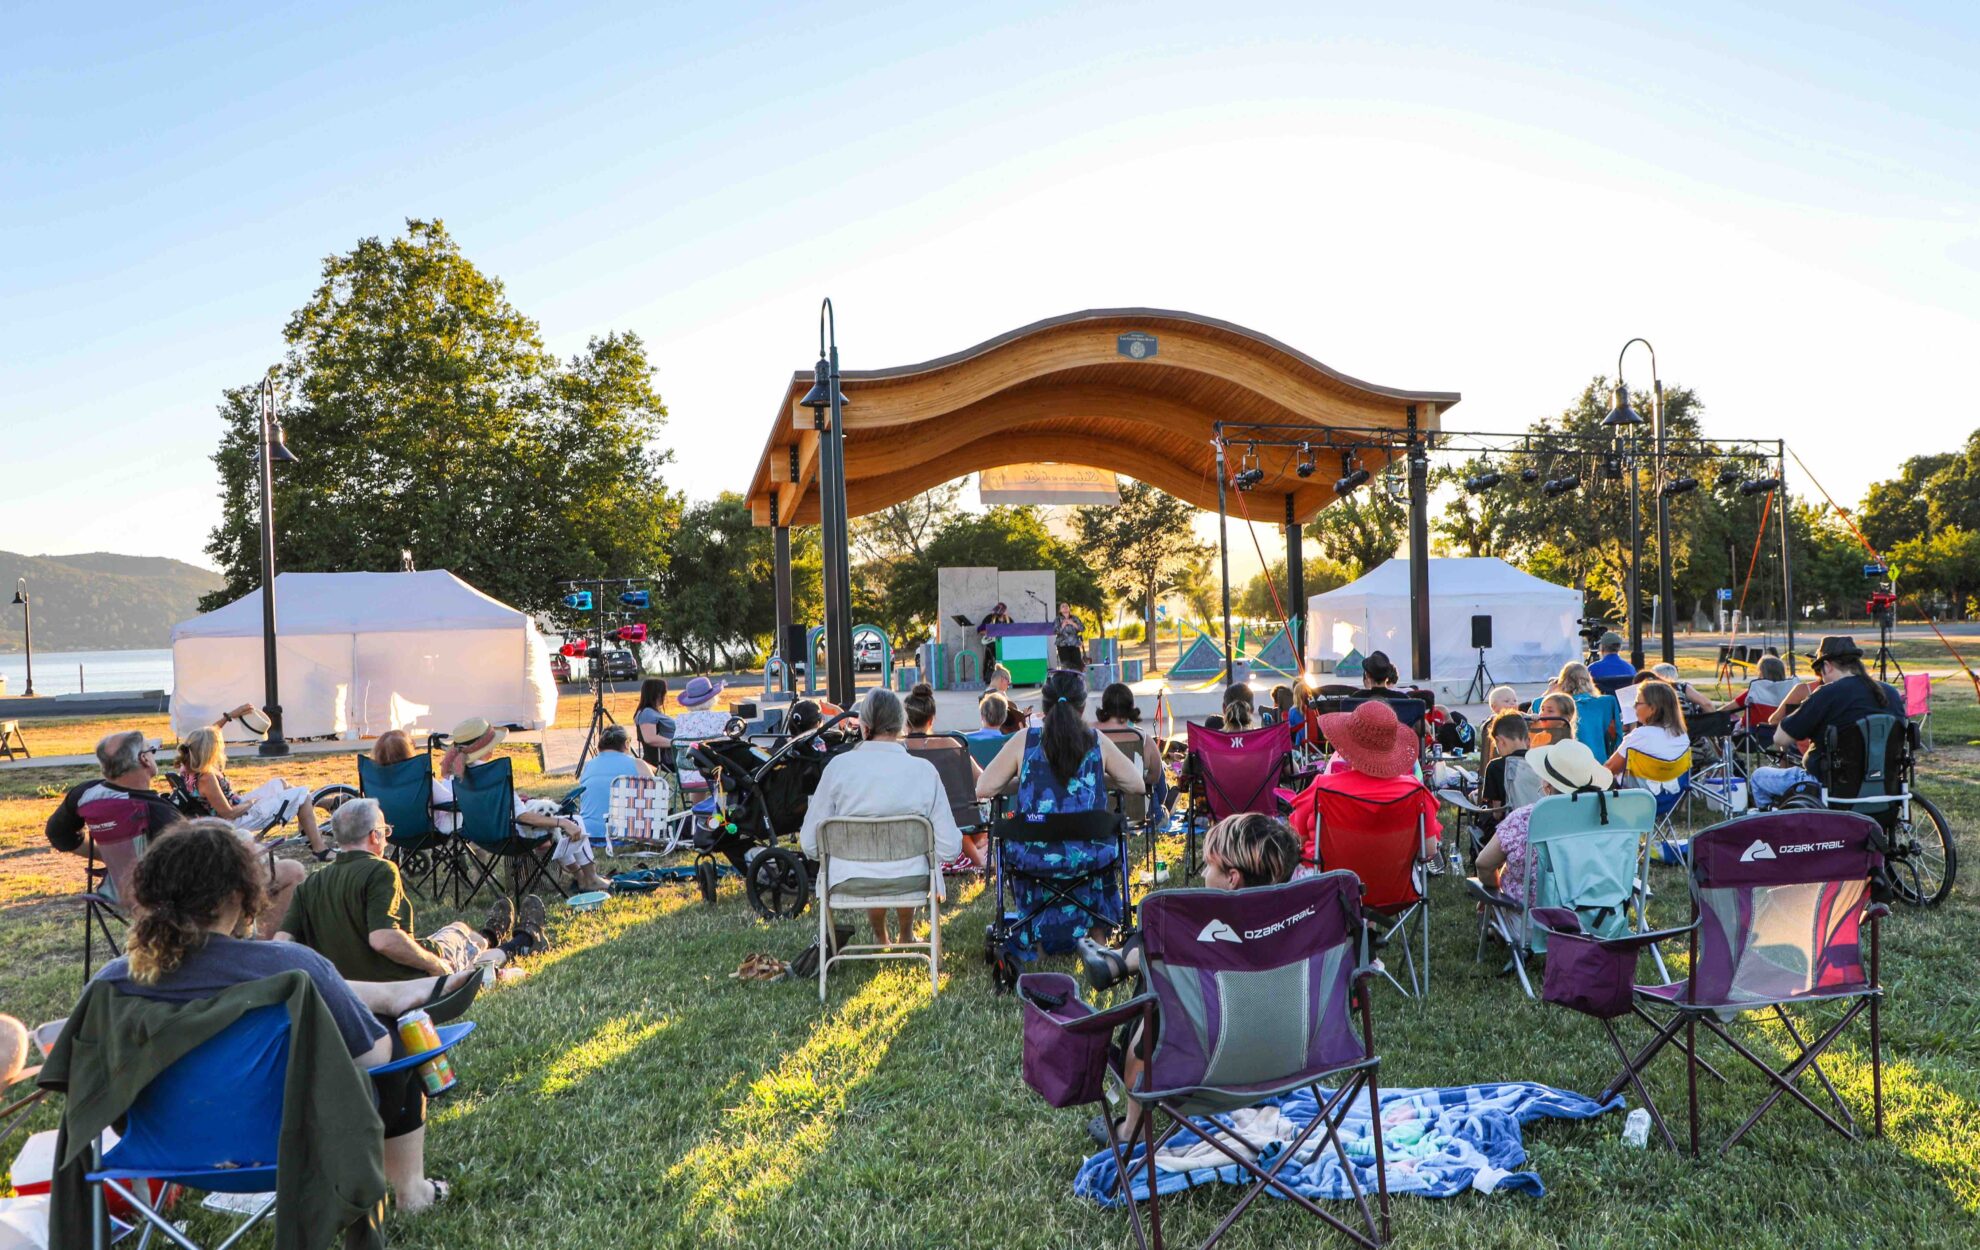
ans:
(1481, 681)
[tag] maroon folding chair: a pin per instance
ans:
(1232, 772)
(1246, 995)
(116, 828)
(1779, 904)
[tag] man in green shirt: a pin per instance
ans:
(355, 913)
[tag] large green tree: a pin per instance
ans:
(1257, 603)
(717, 604)
(427, 416)
(1139, 548)
(1361, 529)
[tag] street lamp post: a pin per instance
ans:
(828, 407)
(25, 600)
(272, 449)
(1623, 421)
(1666, 626)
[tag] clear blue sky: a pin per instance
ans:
(1481, 198)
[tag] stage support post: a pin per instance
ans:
(1633, 584)
(1666, 633)
(780, 580)
(1224, 555)
(1787, 564)
(1419, 552)
(1295, 586)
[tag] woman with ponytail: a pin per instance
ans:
(198, 891)
(1063, 765)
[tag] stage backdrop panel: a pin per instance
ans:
(1533, 621)
(361, 653)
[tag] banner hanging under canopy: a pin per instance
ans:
(1047, 484)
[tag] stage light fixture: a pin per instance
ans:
(1306, 465)
(1678, 486)
(1245, 479)
(639, 599)
(575, 648)
(1558, 486)
(1480, 482)
(1612, 469)
(630, 633)
(1759, 486)
(1529, 476)
(1731, 476)
(1352, 477)
(579, 601)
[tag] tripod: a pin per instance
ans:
(1481, 682)
(1884, 659)
(601, 716)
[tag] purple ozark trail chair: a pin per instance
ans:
(1230, 773)
(1779, 903)
(1245, 995)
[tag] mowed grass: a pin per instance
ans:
(629, 1093)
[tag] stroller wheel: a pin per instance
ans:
(705, 875)
(777, 884)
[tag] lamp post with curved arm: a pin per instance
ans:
(827, 416)
(273, 449)
(1621, 415)
(26, 603)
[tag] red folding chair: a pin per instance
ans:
(1387, 845)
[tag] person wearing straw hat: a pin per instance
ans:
(475, 740)
(702, 719)
(1564, 767)
(1380, 752)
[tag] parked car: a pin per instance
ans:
(560, 668)
(866, 652)
(621, 665)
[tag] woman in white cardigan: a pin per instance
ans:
(880, 778)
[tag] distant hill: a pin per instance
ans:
(100, 602)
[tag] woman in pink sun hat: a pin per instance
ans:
(1380, 752)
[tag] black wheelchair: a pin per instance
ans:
(1869, 767)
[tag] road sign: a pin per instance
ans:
(1725, 594)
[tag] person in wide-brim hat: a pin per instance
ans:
(1568, 765)
(1371, 739)
(700, 692)
(472, 741)
(1834, 647)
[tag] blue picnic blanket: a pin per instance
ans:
(1437, 1142)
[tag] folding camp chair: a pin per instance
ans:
(1867, 766)
(949, 753)
(1587, 852)
(1246, 995)
(983, 751)
(1132, 806)
(642, 812)
(212, 1121)
(1060, 875)
(1609, 685)
(877, 839)
(1918, 706)
(1717, 780)
(429, 859)
(486, 795)
(1231, 773)
(1669, 783)
(1779, 903)
(115, 831)
(1386, 846)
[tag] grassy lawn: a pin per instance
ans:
(627, 1092)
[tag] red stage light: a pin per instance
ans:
(630, 633)
(580, 647)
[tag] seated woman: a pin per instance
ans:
(1239, 853)
(919, 709)
(612, 760)
(1379, 676)
(1553, 719)
(1065, 765)
(474, 741)
(879, 778)
(1597, 716)
(655, 728)
(203, 771)
(1564, 767)
(1282, 710)
(992, 710)
(1380, 754)
(1659, 731)
(1239, 715)
(199, 891)
(1118, 714)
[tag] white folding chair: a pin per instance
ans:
(875, 839)
(640, 811)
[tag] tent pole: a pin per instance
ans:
(1224, 557)
(1787, 566)
(1419, 552)
(1295, 585)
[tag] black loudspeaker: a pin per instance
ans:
(1481, 631)
(793, 646)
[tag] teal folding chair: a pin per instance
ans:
(486, 796)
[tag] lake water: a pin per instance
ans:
(55, 672)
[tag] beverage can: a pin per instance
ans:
(417, 1033)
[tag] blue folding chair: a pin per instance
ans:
(486, 796)
(404, 792)
(211, 1122)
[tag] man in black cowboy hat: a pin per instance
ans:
(1841, 693)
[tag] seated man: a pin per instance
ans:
(1843, 694)
(355, 913)
(614, 760)
(1611, 664)
(128, 766)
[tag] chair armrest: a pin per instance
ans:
(451, 1035)
(1462, 802)
(1876, 911)
(1486, 894)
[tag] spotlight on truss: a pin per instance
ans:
(1557, 486)
(1731, 476)
(1245, 479)
(1759, 485)
(1352, 480)
(1481, 482)
(1529, 476)
(1678, 486)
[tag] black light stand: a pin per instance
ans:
(1481, 681)
(594, 634)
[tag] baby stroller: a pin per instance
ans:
(754, 800)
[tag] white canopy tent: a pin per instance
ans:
(361, 653)
(1533, 621)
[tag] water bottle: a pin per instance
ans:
(1636, 1128)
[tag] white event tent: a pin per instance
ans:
(1533, 621)
(361, 653)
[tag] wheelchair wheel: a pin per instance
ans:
(327, 799)
(706, 874)
(777, 884)
(1923, 873)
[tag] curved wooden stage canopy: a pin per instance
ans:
(1071, 390)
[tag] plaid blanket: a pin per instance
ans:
(1438, 1142)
